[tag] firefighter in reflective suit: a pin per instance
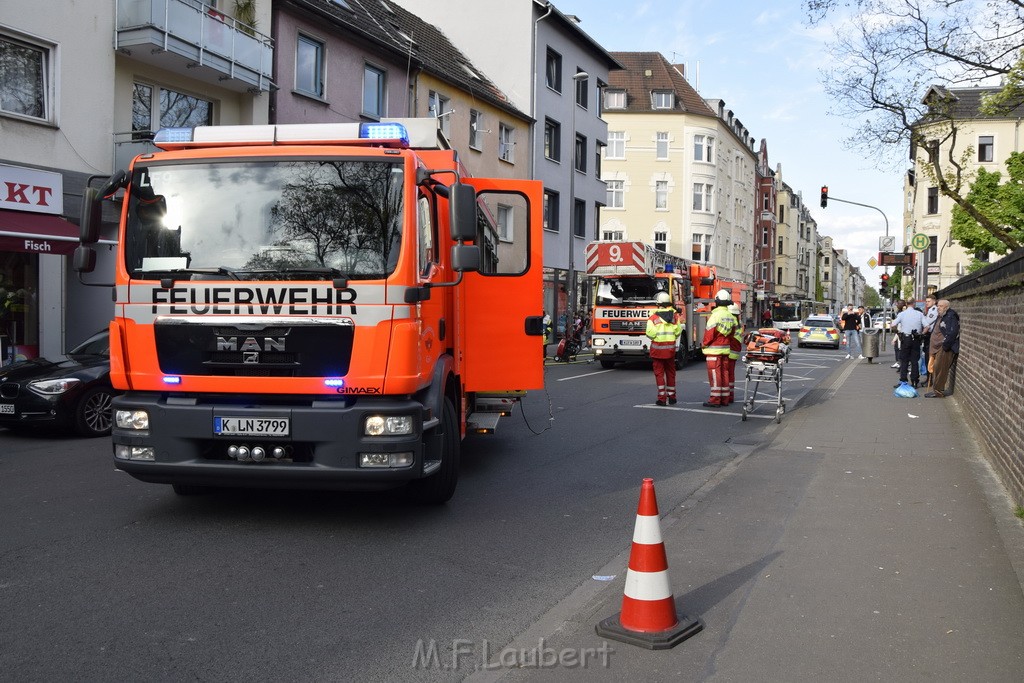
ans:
(735, 350)
(721, 329)
(664, 328)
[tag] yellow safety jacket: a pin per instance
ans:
(721, 326)
(664, 328)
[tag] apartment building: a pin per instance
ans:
(680, 170)
(981, 141)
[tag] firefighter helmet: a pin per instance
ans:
(735, 309)
(663, 298)
(723, 297)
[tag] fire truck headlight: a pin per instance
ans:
(597, 341)
(386, 460)
(131, 419)
(388, 425)
(123, 452)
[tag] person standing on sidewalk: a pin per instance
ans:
(897, 307)
(949, 326)
(910, 322)
(931, 315)
(721, 326)
(851, 330)
(663, 329)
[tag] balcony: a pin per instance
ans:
(189, 37)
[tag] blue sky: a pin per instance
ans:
(764, 61)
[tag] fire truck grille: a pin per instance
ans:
(299, 351)
(628, 325)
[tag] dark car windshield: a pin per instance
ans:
(811, 322)
(96, 345)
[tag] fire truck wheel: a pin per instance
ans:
(607, 364)
(439, 487)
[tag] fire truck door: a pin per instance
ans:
(502, 351)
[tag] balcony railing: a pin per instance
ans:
(129, 145)
(187, 36)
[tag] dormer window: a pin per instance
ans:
(662, 99)
(614, 99)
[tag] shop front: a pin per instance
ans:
(35, 240)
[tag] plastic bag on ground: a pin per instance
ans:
(904, 390)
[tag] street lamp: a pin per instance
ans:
(570, 316)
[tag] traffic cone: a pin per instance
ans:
(648, 617)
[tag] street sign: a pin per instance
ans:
(889, 259)
(920, 241)
(872, 262)
(908, 271)
(887, 243)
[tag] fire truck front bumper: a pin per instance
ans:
(350, 444)
(620, 347)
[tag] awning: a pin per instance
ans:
(37, 233)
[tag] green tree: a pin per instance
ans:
(886, 54)
(1004, 202)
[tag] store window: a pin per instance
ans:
(19, 310)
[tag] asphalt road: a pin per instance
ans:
(106, 578)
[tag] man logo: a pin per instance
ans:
(250, 357)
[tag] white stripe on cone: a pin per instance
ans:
(647, 585)
(647, 530)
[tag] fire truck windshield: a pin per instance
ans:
(615, 291)
(265, 220)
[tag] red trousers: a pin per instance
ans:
(730, 380)
(718, 378)
(665, 377)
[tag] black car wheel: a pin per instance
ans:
(93, 414)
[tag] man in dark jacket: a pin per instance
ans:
(949, 325)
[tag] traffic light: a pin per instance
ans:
(824, 196)
(884, 290)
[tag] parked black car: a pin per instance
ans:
(72, 392)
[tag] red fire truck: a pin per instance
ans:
(315, 306)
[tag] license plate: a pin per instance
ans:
(7, 408)
(629, 342)
(251, 426)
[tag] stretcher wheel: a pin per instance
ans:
(744, 416)
(778, 415)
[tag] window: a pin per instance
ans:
(309, 67)
(154, 108)
(598, 153)
(616, 145)
(614, 99)
(702, 196)
(779, 278)
(25, 79)
(703, 148)
(551, 210)
(476, 135)
(933, 200)
(781, 250)
(765, 236)
(661, 240)
(581, 153)
(613, 235)
(553, 71)
(552, 138)
(506, 143)
(782, 213)
(661, 145)
(427, 234)
(582, 91)
(373, 91)
(440, 108)
(579, 218)
(661, 194)
(701, 249)
(505, 222)
(616, 194)
(986, 148)
(933, 249)
(662, 99)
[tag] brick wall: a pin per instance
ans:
(989, 381)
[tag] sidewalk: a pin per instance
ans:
(863, 539)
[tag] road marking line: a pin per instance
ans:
(699, 410)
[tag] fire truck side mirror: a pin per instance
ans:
(465, 258)
(89, 222)
(462, 202)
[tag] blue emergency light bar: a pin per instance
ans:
(300, 133)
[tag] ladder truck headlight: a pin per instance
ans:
(388, 425)
(132, 419)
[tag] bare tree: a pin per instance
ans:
(891, 52)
